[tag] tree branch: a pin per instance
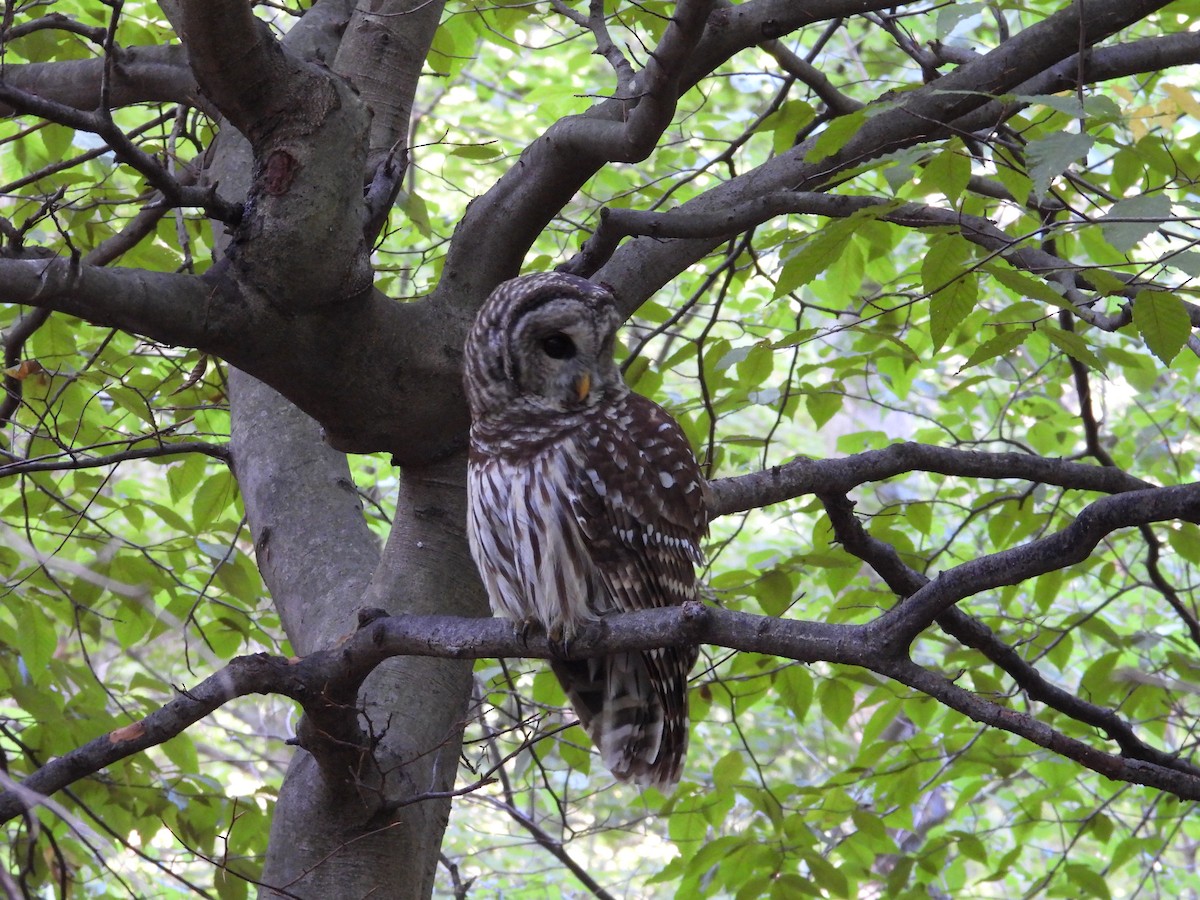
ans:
(320, 679)
(81, 461)
(826, 476)
(563, 158)
(236, 61)
(140, 75)
(905, 581)
(124, 149)
(951, 104)
(1071, 545)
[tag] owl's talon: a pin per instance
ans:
(525, 627)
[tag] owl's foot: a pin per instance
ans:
(525, 627)
(560, 642)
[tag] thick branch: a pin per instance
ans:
(558, 163)
(1067, 547)
(240, 67)
(124, 149)
(333, 674)
(139, 75)
(171, 309)
(824, 476)
(943, 107)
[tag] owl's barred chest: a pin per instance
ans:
(521, 439)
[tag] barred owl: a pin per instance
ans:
(584, 499)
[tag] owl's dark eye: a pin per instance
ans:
(558, 346)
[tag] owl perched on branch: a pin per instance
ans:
(584, 499)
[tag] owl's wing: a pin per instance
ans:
(641, 505)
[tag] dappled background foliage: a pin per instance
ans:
(128, 572)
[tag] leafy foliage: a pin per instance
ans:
(127, 567)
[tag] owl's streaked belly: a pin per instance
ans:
(527, 543)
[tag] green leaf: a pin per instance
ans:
(133, 402)
(728, 770)
(795, 686)
(1050, 156)
(1163, 322)
(823, 405)
(836, 700)
(948, 172)
(1001, 345)
(814, 256)
(1073, 345)
(1149, 211)
(39, 639)
(415, 208)
(1089, 880)
(952, 287)
(786, 122)
(212, 498)
(774, 592)
(1025, 286)
(476, 151)
(835, 136)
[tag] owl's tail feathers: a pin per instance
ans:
(637, 721)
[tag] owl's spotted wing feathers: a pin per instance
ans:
(639, 504)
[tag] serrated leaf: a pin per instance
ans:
(1074, 346)
(919, 516)
(418, 213)
(1050, 156)
(1001, 345)
(1184, 98)
(1089, 880)
(1163, 322)
(1025, 286)
(39, 640)
(944, 262)
(814, 257)
(1149, 211)
(133, 402)
(837, 701)
(949, 306)
(795, 687)
(950, 15)
(786, 122)
(757, 366)
(1184, 539)
(774, 592)
(728, 770)
(1187, 262)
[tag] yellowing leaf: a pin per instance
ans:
(1184, 98)
(128, 733)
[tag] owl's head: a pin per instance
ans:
(543, 344)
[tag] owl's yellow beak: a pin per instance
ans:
(583, 385)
